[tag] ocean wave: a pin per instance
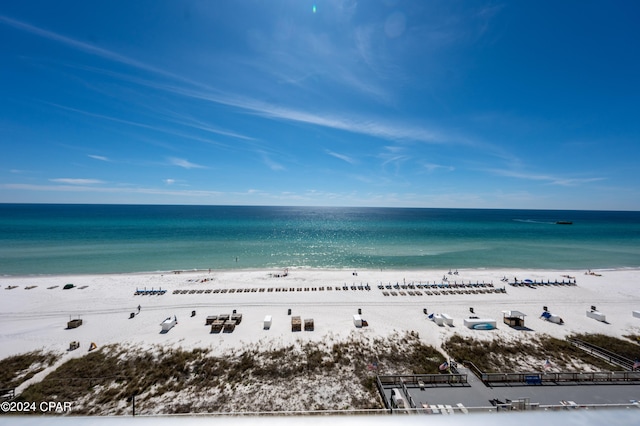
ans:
(534, 221)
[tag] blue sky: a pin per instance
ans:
(527, 104)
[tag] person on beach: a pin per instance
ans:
(138, 308)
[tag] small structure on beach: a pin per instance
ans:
(357, 321)
(513, 318)
(476, 323)
(635, 314)
(229, 326)
(296, 323)
(308, 324)
(447, 319)
(216, 325)
(236, 317)
(552, 317)
(441, 319)
(168, 323)
(75, 323)
(267, 322)
(596, 315)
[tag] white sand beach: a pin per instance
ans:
(34, 313)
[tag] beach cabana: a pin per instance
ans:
(636, 314)
(513, 318)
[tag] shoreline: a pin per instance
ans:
(577, 271)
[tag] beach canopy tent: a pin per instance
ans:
(513, 318)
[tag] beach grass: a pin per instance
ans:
(626, 348)
(17, 369)
(524, 354)
(104, 381)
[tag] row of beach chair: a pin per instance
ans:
(548, 283)
(440, 286)
(443, 292)
(272, 289)
(146, 292)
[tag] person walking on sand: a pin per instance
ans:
(138, 308)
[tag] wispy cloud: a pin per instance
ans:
(342, 157)
(370, 126)
(273, 165)
(185, 164)
(111, 189)
(88, 48)
(431, 167)
(98, 157)
(72, 181)
(159, 129)
(553, 180)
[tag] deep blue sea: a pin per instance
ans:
(80, 239)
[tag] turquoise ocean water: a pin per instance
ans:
(80, 239)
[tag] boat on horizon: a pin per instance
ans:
(564, 222)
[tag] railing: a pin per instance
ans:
(381, 391)
(474, 369)
(7, 394)
(605, 354)
(426, 379)
(538, 378)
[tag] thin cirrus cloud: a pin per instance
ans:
(342, 157)
(185, 164)
(72, 181)
(159, 129)
(553, 180)
(361, 125)
(85, 47)
(99, 157)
